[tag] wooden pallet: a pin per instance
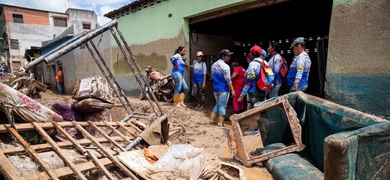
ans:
(122, 134)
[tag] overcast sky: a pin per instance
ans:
(100, 7)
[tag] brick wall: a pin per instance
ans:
(29, 16)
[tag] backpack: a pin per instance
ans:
(283, 69)
(266, 81)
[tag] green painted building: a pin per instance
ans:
(348, 41)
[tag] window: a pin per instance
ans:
(18, 18)
(14, 44)
(86, 25)
(60, 21)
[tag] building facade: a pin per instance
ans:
(346, 40)
(28, 33)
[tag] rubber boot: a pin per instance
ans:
(213, 118)
(181, 99)
(176, 100)
(221, 120)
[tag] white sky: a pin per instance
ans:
(100, 7)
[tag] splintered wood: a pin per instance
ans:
(100, 153)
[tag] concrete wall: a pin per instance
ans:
(153, 35)
(79, 16)
(358, 67)
(29, 35)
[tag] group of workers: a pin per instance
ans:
(241, 84)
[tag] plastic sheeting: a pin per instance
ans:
(25, 107)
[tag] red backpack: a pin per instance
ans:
(266, 81)
(283, 69)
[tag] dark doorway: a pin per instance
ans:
(280, 22)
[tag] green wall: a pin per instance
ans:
(153, 23)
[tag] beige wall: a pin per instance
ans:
(359, 37)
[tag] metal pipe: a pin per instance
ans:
(80, 41)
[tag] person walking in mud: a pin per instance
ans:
(178, 69)
(222, 86)
(199, 80)
(60, 81)
(298, 74)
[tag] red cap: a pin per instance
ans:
(255, 49)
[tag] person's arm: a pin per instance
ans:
(228, 80)
(231, 88)
(174, 62)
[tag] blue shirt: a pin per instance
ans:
(221, 76)
(178, 63)
(252, 74)
(299, 68)
(200, 69)
(275, 62)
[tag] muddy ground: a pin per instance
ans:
(191, 127)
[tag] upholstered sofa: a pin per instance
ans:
(341, 143)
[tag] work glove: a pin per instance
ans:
(294, 88)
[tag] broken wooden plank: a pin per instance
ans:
(107, 137)
(29, 127)
(99, 164)
(118, 133)
(66, 171)
(32, 152)
(133, 126)
(58, 150)
(8, 169)
(127, 129)
(61, 144)
(101, 148)
(70, 138)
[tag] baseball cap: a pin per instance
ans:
(264, 53)
(255, 49)
(226, 52)
(298, 40)
(199, 53)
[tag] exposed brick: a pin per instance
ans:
(29, 16)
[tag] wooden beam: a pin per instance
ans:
(58, 150)
(119, 134)
(66, 171)
(101, 148)
(99, 164)
(32, 152)
(234, 10)
(70, 138)
(9, 170)
(61, 144)
(127, 129)
(29, 126)
(107, 137)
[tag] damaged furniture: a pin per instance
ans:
(340, 142)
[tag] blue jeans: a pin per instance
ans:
(221, 99)
(60, 87)
(180, 83)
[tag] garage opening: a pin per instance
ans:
(239, 28)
